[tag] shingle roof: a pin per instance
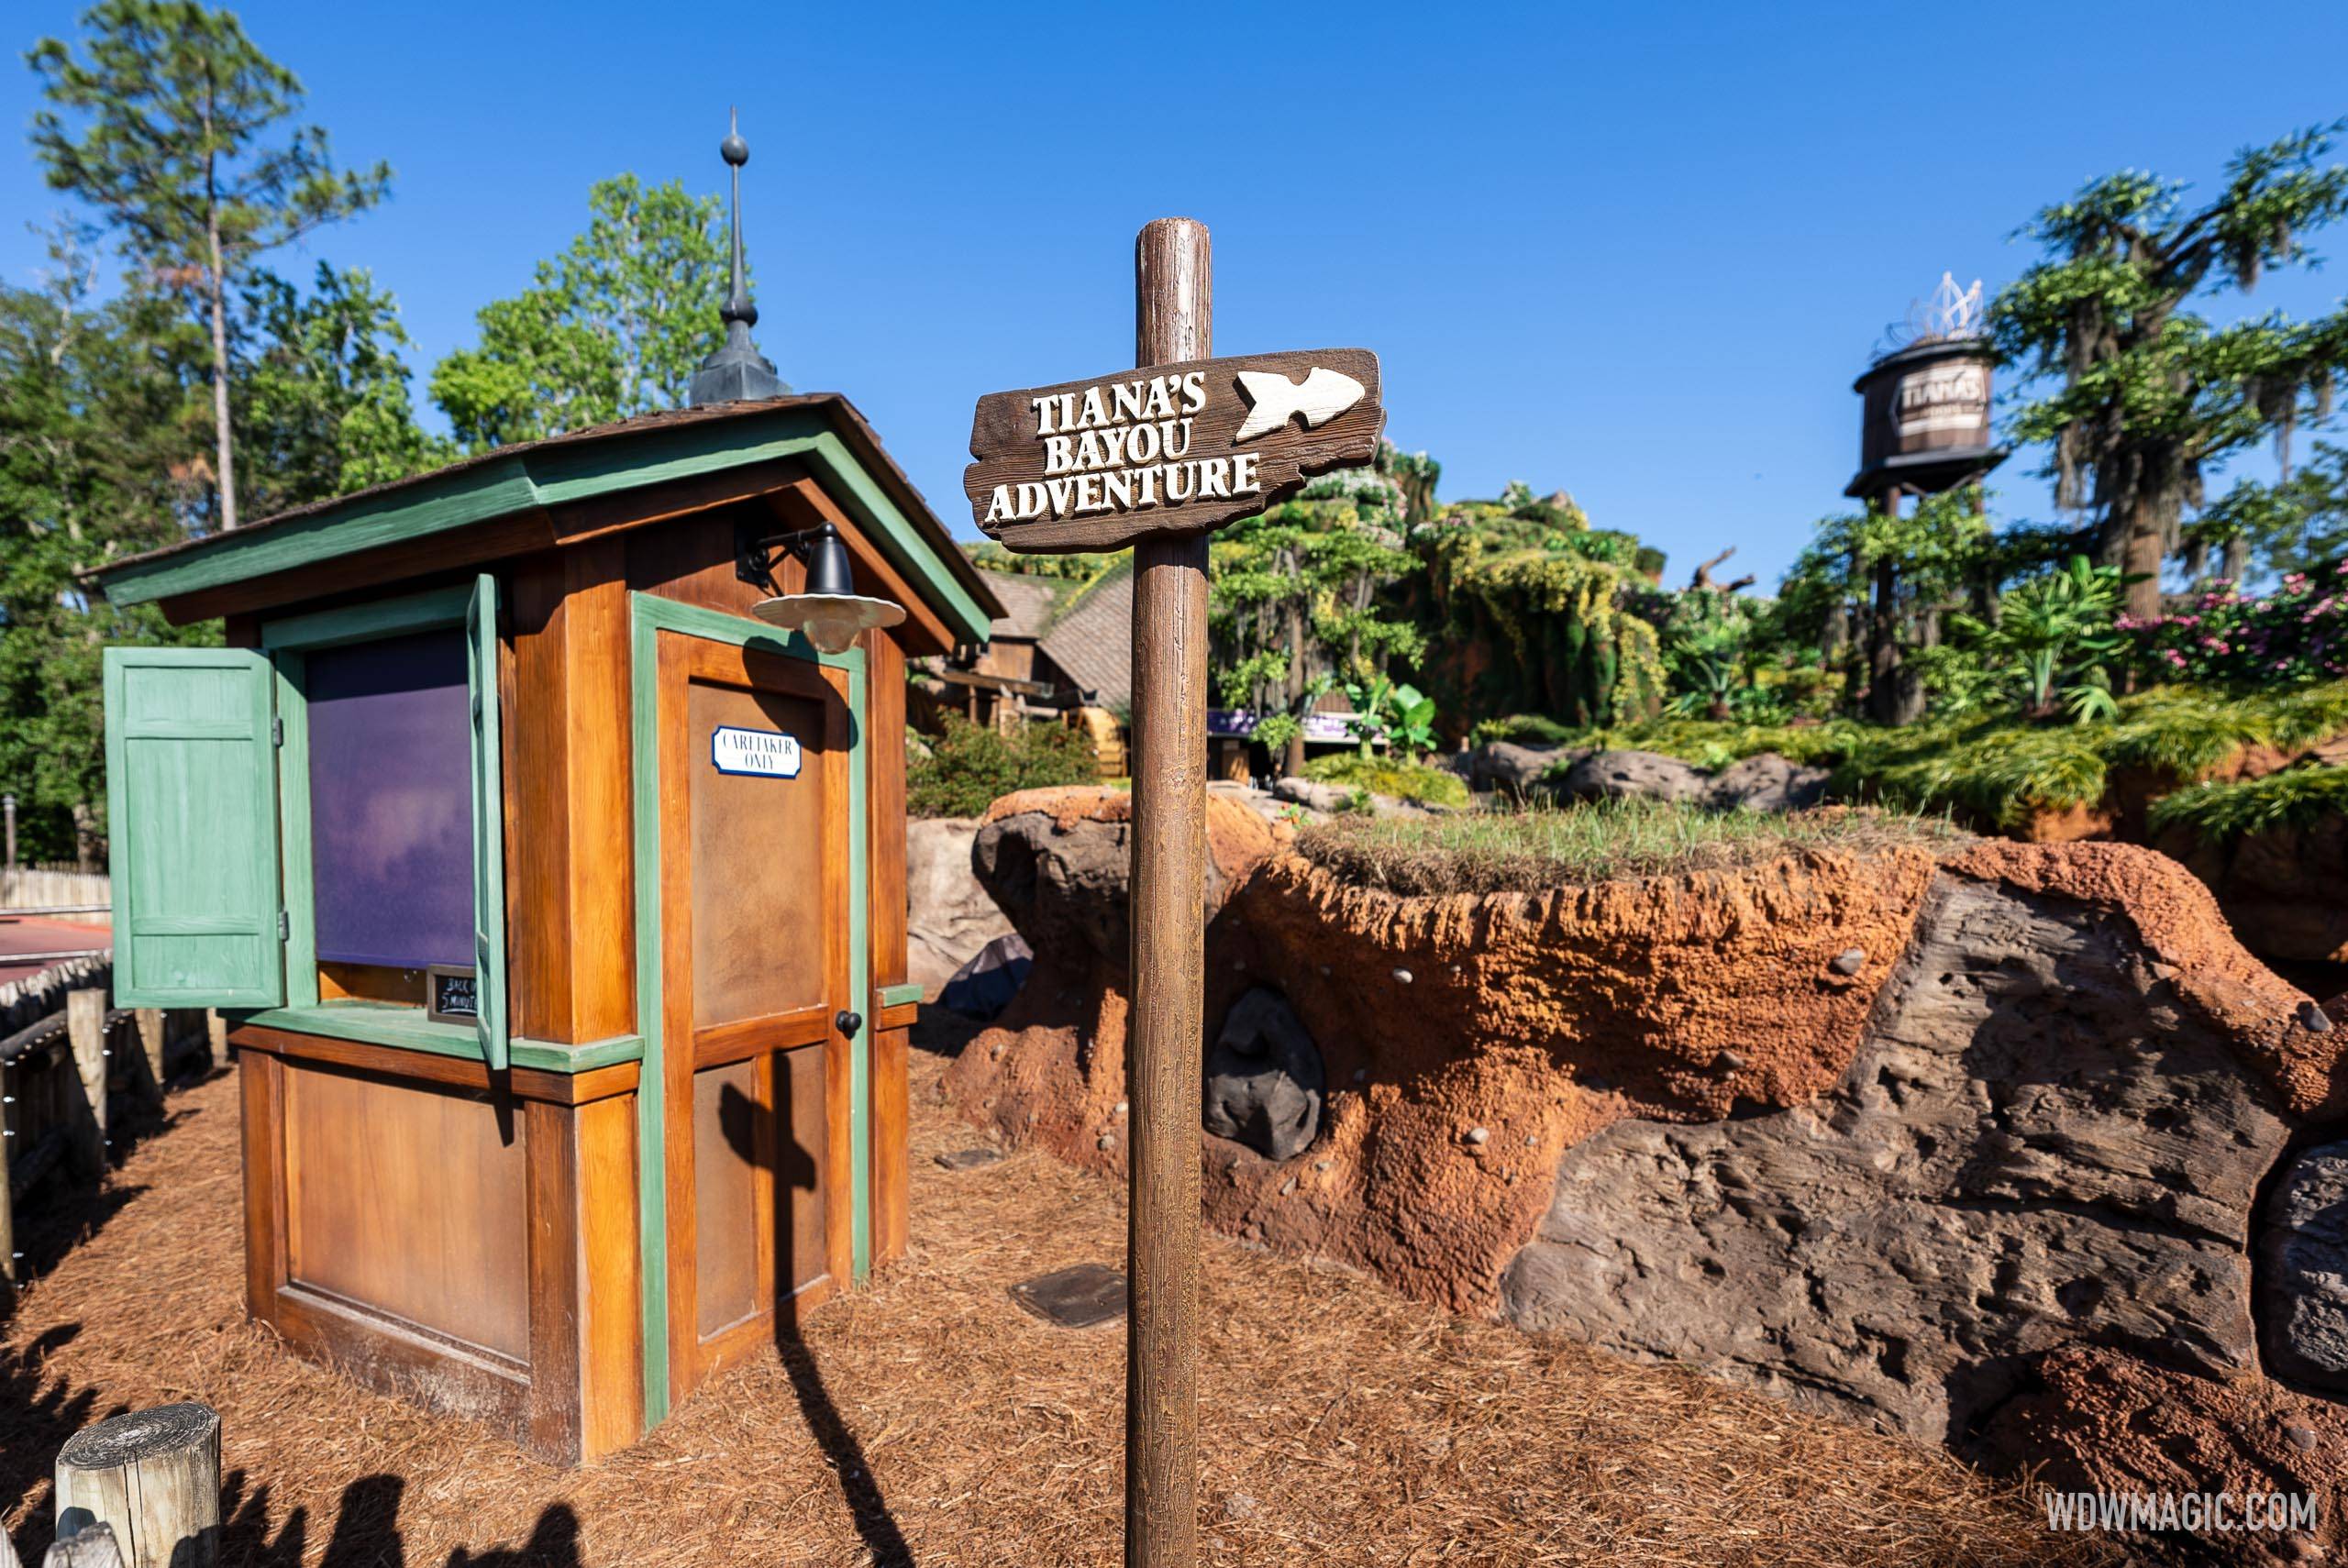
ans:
(1092, 641)
(1028, 602)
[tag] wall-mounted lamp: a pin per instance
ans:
(831, 612)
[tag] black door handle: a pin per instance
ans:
(847, 1023)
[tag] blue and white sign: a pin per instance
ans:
(768, 754)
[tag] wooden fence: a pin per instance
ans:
(67, 1060)
(54, 886)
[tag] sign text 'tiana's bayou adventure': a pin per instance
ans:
(1166, 449)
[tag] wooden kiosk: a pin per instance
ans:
(563, 902)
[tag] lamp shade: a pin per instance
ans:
(832, 620)
(831, 612)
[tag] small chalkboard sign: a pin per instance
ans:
(453, 995)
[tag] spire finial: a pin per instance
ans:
(737, 371)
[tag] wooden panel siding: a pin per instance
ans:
(408, 1199)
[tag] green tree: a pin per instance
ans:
(176, 110)
(323, 390)
(1297, 609)
(612, 327)
(2152, 396)
(1876, 587)
(102, 436)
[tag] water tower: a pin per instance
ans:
(1925, 425)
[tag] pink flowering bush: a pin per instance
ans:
(2295, 634)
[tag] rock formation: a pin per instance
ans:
(948, 916)
(1947, 1142)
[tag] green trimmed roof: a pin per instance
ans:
(823, 430)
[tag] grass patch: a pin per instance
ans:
(2219, 813)
(1524, 729)
(1521, 851)
(1997, 769)
(1383, 776)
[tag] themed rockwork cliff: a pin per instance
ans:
(1941, 1141)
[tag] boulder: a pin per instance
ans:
(1632, 775)
(2093, 1421)
(1766, 782)
(982, 987)
(948, 916)
(2304, 1250)
(1058, 862)
(1327, 799)
(1513, 770)
(2048, 1136)
(1264, 1078)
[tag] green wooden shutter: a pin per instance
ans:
(192, 810)
(489, 824)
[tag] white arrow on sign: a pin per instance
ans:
(1322, 396)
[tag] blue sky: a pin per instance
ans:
(1635, 252)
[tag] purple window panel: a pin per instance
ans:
(390, 801)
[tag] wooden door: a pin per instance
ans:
(755, 813)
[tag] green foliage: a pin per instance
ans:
(612, 327)
(2151, 397)
(969, 766)
(1081, 567)
(1998, 768)
(1536, 847)
(175, 108)
(1713, 744)
(1515, 620)
(1383, 776)
(2295, 635)
(1400, 714)
(323, 400)
(2053, 641)
(100, 438)
(1299, 605)
(1522, 729)
(2222, 813)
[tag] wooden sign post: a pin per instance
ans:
(1158, 459)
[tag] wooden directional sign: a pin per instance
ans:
(1166, 449)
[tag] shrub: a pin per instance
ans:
(2219, 813)
(1490, 851)
(1524, 729)
(1381, 776)
(969, 766)
(2295, 635)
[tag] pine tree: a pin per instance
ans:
(176, 110)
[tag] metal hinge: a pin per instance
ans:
(284, 926)
(277, 729)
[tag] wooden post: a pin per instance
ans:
(94, 1548)
(1173, 320)
(154, 1476)
(150, 1047)
(85, 1030)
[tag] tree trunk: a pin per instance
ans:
(217, 288)
(1292, 760)
(1883, 650)
(2142, 549)
(2237, 558)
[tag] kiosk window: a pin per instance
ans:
(391, 822)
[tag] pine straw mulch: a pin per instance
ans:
(929, 1421)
